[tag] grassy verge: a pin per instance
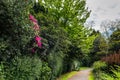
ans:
(83, 68)
(91, 77)
(67, 75)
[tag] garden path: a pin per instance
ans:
(81, 75)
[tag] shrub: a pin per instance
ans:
(2, 71)
(46, 72)
(116, 72)
(75, 65)
(98, 65)
(27, 68)
(24, 68)
(55, 61)
(15, 28)
(102, 75)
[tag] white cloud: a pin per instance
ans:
(103, 10)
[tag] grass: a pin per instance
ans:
(67, 75)
(91, 77)
(83, 68)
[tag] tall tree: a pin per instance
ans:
(114, 41)
(99, 48)
(110, 30)
(109, 26)
(70, 16)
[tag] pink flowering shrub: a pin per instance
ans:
(36, 28)
(31, 18)
(38, 41)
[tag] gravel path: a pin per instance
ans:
(81, 75)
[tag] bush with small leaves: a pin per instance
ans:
(99, 65)
(23, 68)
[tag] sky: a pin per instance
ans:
(36, 0)
(103, 10)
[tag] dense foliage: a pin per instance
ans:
(60, 43)
(108, 52)
(65, 40)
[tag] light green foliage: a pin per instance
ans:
(115, 75)
(107, 77)
(98, 65)
(67, 11)
(71, 15)
(91, 77)
(103, 76)
(103, 72)
(116, 72)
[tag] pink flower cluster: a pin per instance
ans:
(38, 41)
(36, 28)
(31, 17)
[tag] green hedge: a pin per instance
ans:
(26, 68)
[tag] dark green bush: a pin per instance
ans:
(55, 61)
(24, 68)
(27, 68)
(15, 28)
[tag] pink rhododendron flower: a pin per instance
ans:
(38, 41)
(39, 44)
(31, 17)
